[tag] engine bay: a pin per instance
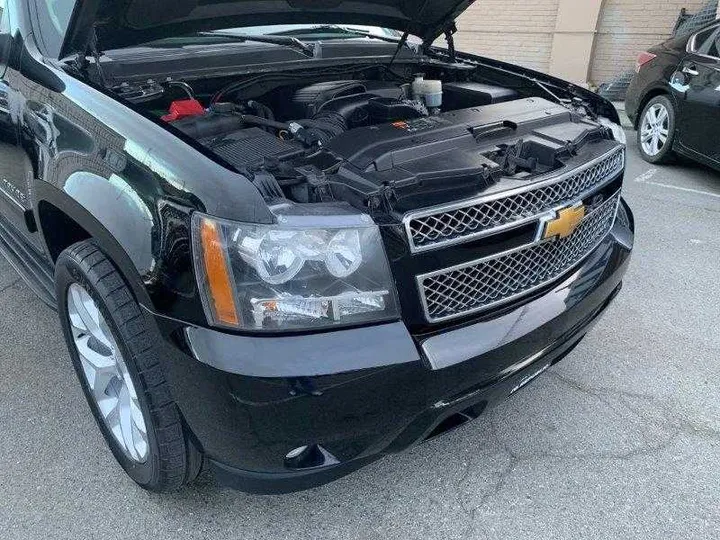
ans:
(384, 144)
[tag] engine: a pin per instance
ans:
(385, 146)
(315, 114)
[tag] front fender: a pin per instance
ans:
(131, 184)
(100, 216)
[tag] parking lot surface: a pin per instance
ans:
(620, 440)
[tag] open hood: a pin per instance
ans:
(123, 23)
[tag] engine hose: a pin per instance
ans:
(263, 110)
(259, 121)
(345, 111)
(184, 86)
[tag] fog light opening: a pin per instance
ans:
(309, 457)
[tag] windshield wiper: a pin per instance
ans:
(288, 41)
(345, 30)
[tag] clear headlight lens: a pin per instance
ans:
(344, 253)
(312, 269)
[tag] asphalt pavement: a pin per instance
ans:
(620, 440)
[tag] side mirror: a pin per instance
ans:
(31, 68)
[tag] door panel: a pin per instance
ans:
(16, 170)
(699, 118)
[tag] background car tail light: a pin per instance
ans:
(642, 59)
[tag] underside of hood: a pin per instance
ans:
(125, 23)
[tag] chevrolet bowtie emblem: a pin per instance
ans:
(565, 223)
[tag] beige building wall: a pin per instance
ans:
(586, 41)
(574, 38)
(628, 27)
(517, 31)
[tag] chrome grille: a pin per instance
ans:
(429, 229)
(479, 285)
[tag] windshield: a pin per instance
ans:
(53, 17)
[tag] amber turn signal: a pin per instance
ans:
(217, 273)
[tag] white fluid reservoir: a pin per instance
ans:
(432, 94)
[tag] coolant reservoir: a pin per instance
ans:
(432, 94)
(418, 86)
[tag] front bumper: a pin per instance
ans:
(356, 395)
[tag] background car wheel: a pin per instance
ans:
(656, 132)
(114, 354)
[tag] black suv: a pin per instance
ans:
(284, 251)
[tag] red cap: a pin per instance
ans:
(184, 108)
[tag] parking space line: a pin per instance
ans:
(645, 177)
(689, 190)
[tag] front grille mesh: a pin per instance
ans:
(443, 227)
(449, 294)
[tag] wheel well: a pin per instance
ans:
(59, 229)
(651, 94)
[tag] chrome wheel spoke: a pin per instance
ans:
(657, 113)
(652, 113)
(137, 416)
(99, 369)
(77, 325)
(655, 129)
(109, 409)
(85, 316)
(139, 430)
(106, 375)
(134, 404)
(126, 422)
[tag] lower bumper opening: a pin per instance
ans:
(456, 420)
(312, 456)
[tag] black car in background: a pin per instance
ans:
(674, 99)
(284, 251)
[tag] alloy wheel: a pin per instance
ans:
(107, 375)
(654, 130)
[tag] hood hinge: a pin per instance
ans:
(92, 49)
(450, 39)
(448, 30)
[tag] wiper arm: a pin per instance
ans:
(355, 32)
(293, 42)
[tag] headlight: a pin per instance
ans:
(617, 130)
(310, 270)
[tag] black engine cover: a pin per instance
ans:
(440, 158)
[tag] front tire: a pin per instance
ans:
(656, 132)
(115, 357)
